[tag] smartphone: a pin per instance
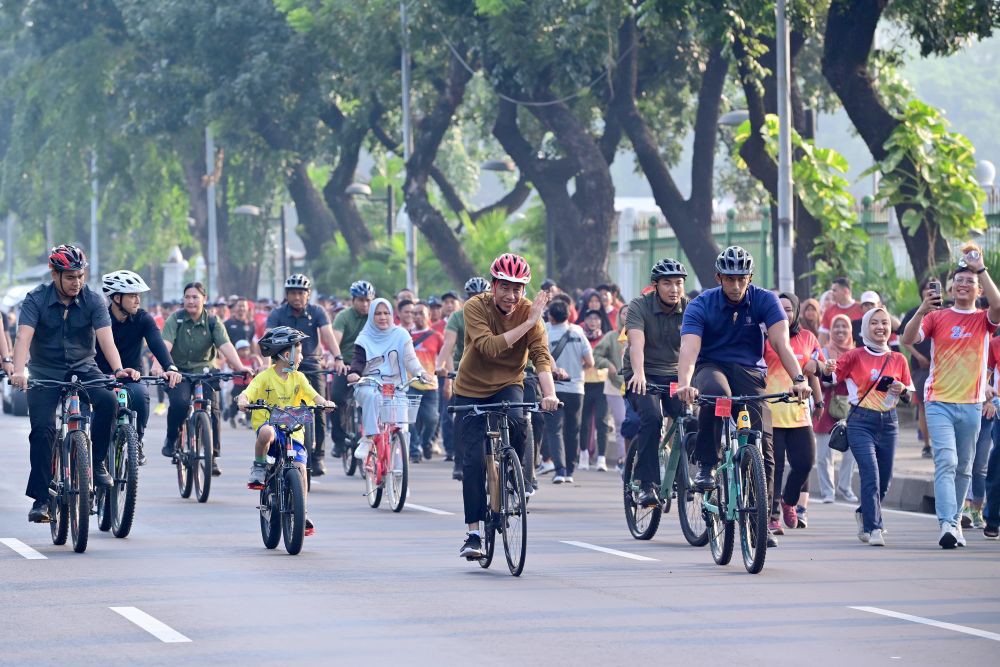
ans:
(934, 286)
(885, 383)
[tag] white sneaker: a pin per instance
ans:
(949, 536)
(545, 467)
(602, 464)
(827, 500)
(558, 479)
(584, 461)
(959, 536)
(568, 479)
(862, 535)
(364, 446)
(876, 539)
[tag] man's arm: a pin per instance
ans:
(106, 340)
(637, 357)
(777, 335)
(493, 345)
(549, 400)
(588, 357)
(21, 346)
(911, 334)
(690, 349)
(446, 357)
(333, 345)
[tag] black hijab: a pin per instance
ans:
(793, 323)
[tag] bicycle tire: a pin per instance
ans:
(487, 530)
(309, 442)
(752, 503)
(293, 518)
(515, 512)
(397, 479)
(79, 503)
(642, 521)
(270, 516)
(349, 426)
(721, 533)
(185, 477)
(124, 493)
(202, 460)
(373, 491)
(58, 508)
(690, 504)
(104, 509)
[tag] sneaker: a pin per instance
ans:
(545, 467)
(415, 459)
(529, 491)
(771, 542)
(160, 410)
(567, 479)
(310, 528)
(318, 465)
(966, 521)
(457, 475)
(926, 452)
(800, 511)
(774, 527)
(991, 532)
(559, 477)
(364, 446)
(39, 512)
(647, 496)
(216, 470)
(876, 539)
(949, 536)
(448, 458)
(168, 447)
(473, 547)
(959, 536)
(584, 460)
(602, 464)
(828, 500)
(977, 518)
(258, 475)
(862, 535)
(142, 455)
(620, 466)
(847, 496)
(790, 515)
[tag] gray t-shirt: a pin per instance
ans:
(571, 357)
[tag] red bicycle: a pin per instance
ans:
(386, 468)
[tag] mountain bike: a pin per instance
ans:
(740, 492)
(350, 421)
(676, 455)
(309, 434)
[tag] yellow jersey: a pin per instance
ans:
(273, 389)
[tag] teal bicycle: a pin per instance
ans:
(676, 452)
(740, 492)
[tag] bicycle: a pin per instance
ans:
(350, 421)
(740, 492)
(387, 466)
(676, 454)
(506, 510)
(309, 437)
(282, 496)
(193, 449)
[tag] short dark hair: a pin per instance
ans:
(843, 282)
(404, 302)
(565, 298)
(198, 286)
(963, 268)
(558, 311)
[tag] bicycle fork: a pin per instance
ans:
(492, 474)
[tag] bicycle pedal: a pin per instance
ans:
(255, 487)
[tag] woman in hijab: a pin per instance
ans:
(877, 378)
(793, 434)
(835, 399)
(384, 351)
(809, 318)
(594, 419)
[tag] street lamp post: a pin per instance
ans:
(786, 280)
(364, 191)
(257, 212)
(95, 255)
(213, 232)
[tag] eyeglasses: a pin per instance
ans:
(964, 281)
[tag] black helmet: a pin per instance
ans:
(277, 340)
(734, 261)
(362, 289)
(476, 285)
(667, 268)
(298, 281)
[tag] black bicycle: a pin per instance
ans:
(116, 505)
(309, 435)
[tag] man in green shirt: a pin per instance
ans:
(346, 327)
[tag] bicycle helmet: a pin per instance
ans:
(734, 261)
(512, 268)
(277, 340)
(476, 285)
(667, 268)
(67, 257)
(123, 282)
(298, 281)
(362, 289)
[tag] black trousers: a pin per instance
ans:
(652, 408)
(473, 436)
(42, 407)
(562, 432)
(732, 380)
(180, 403)
(138, 400)
(318, 383)
(799, 445)
(339, 393)
(594, 416)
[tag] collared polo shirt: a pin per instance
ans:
(308, 322)
(238, 330)
(65, 337)
(195, 342)
(663, 334)
(349, 323)
(733, 333)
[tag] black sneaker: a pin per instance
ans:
(449, 458)
(415, 459)
(216, 470)
(168, 447)
(705, 479)
(473, 548)
(926, 452)
(647, 496)
(457, 475)
(101, 475)
(771, 542)
(142, 455)
(318, 465)
(991, 532)
(39, 512)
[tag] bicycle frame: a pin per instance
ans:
(381, 439)
(736, 437)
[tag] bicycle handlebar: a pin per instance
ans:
(367, 379)
(501, 407)
(784, 396)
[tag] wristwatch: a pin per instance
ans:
(172, 368)
(339, 357)
(982, 270)
(7, 360)
(820, 405)
(118, 371)
(798, 378)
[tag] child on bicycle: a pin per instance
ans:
(281, 385)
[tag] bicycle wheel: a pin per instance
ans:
(397, 476)
(690, 505)
(373, 490)
(79, 496)
(126, 473)
(270, 516)
(488, 526)
(185, 480)
(293, 518)
(752, 505)
(514, 512)
(642, 521)
(202, 460)
(721, 533)
(58, 509)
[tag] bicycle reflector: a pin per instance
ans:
(673, 389)
(389, 389)
(723, 407)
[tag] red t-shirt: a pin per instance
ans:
(259, 323)
(440, 325)
(427, 351)
(852, 311)
(790, 415)
(993, 359)
(959, 344)
(859, 370)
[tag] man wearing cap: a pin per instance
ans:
(870, 299)
(435, 307)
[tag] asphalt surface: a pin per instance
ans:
(373, 585)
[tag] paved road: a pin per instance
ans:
(378, 586)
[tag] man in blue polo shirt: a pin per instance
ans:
(722, 346)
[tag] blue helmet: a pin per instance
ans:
(361, 289)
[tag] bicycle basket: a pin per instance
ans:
(292, 418)
(399, 409)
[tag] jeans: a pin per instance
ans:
(652, 408)
(872, 437)
(824, 469)
(422, 434)
(594, 417)
(953, 429)
(562, 432)
(991, 510)
(339, 393)
(138, 400)
(180, 403)
(977, 490)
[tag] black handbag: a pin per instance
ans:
(838, 434)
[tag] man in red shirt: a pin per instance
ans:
(843, 304)
(427, 344)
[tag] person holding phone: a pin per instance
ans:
(956, 387)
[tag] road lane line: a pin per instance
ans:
(429, 510)
(891, 511)
(605, 550)
(22, 548)
(157, 628)
(930, 621)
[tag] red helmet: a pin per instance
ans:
(67, 258)
(512, 268)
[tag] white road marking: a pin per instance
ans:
(854, 506)
(930, 621)
(157, 628)
(22, 548)
(429, 510)
(613, 552)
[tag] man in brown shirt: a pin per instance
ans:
(503, 329)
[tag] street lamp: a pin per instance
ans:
(364, 191)
(734, 118)
(256, 212)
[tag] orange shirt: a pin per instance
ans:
(859, 369)
(959, 345)
(993, 360)
(852, 311)
(790, 415)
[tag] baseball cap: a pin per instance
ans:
(870, 297)
(548, 283)
(242, 344)
(434, 302)
(449, 295)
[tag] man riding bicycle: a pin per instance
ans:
(58, 324)
(722, 346)
(503, 329)
(130, 326)
(311, 320)
(346, 326)
(653, 324)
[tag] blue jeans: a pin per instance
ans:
(991, 510)
(423, 430)
(984, 442)
(953, 429)
(872, 437)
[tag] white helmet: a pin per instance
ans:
(123, 282)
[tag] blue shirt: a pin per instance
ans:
(733, 334)
(65, 335)
(309, 321)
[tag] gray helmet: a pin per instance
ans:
(476, 285)
(667, 268)
(734, 261)
(298, 281)
(277, 340)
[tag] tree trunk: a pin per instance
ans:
(235, 277)
(352, 225)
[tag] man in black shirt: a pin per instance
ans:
(130, 326)
(239, 327)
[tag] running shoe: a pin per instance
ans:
(775, 527)
(789, 514)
